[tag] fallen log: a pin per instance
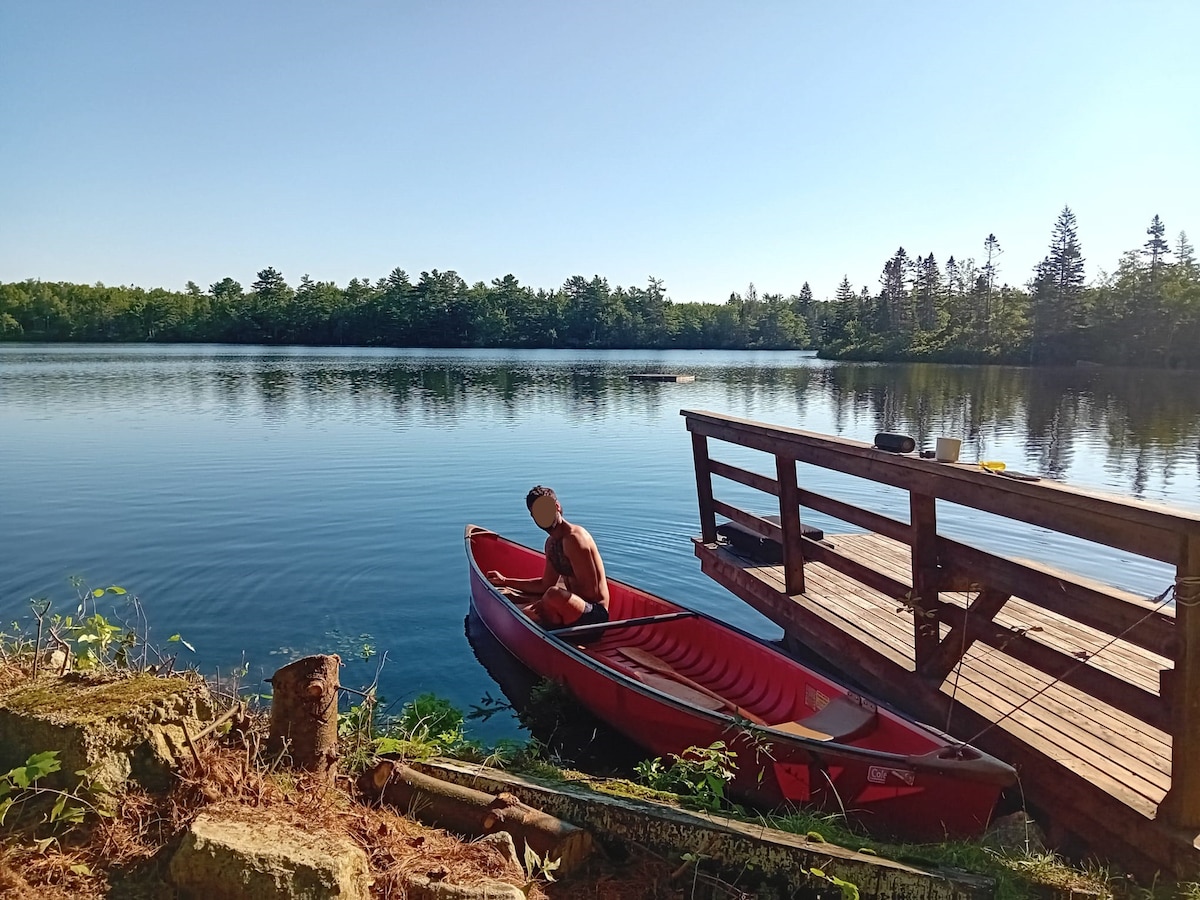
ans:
(472, 813)
(304, 713)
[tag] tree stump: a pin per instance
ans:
(474, 813)
(304, 712)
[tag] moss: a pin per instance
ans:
(76, 699)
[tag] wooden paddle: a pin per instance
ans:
(656, 664)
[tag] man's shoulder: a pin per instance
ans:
(581, 536)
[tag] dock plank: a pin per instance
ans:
(1112, 750)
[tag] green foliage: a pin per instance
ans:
(849, 890)
(92, 640)
(426, 726)
(1146, 313)
(538, 868)
(698, 776)
(19, 787)
(429, 718)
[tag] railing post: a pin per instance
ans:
(789, 521)
(923, 521)
(1181, 806)
(708, 516)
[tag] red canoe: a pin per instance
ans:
(674, 678)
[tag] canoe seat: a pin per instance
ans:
(842, 719)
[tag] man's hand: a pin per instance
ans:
(496, 578)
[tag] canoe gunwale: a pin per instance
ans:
(957, 759)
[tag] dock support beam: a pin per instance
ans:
(704, 491)
(789, 520)
(925, 580)
(1181, 806)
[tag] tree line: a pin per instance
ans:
(1147, 312)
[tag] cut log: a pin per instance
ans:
(304, 714)
(472, 813)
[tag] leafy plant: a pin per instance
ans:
(698, 775)
(430, 719)
(19, 786)
(93, 641)
(848, 888)
(537, 867)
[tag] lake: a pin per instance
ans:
(266, 503)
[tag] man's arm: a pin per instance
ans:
(537, 586)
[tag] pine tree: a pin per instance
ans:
(845, 293)
(1185, 254)
(991, 251)
(1156, 247)
(927, 285)
(1057, 293)
(896, 312)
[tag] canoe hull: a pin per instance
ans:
(898, 777)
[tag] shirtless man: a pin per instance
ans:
(572, 586)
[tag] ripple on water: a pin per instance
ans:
(266, 503)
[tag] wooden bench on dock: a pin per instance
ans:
(1092, 692)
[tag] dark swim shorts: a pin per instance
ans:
(594, 614)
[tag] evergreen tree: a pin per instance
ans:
(991, 252)
(1185, 254)
(1057, 290)
(1156, 247)
(895, 312)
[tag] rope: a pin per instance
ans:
(1161, 600)
(1192, 585)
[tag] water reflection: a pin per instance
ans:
(1137, 430)
(567, 731)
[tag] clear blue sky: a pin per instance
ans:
(707, 144)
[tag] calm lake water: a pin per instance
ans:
(266, 503)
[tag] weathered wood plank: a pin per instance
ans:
(1108, 609)
(744, 476)
(1079, 683)
(922, 514)
(963, 634)
(1140, 666)
(1057, 724)
(789, 520)
(704, 491)
(1136, 526)
(864, 518)
(757, 525)
(849, 566)
(1182, 807)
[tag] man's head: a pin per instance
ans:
(542, 504)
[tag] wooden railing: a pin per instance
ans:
(941, 564)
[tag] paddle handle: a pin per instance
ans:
(572, 630)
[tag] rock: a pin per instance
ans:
(504, 843)
(418, 887)
(57, 661)
(116, 727)
(1016, 832)
(242, 853)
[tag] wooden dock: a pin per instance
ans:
(1091, 692)
(662, 376)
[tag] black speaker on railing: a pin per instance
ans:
(895, 443)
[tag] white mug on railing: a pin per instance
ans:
(947, 449)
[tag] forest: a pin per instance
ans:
(1144, 313)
